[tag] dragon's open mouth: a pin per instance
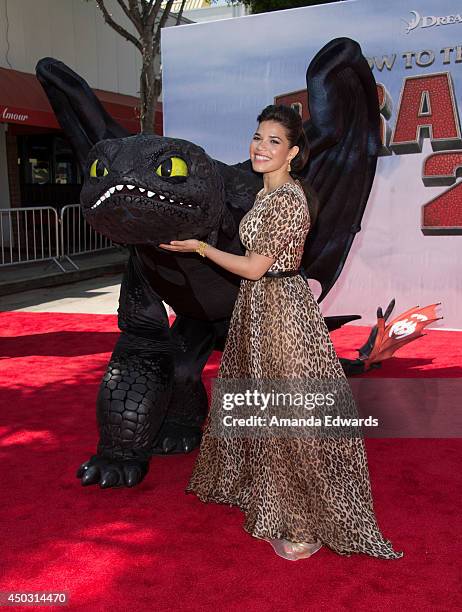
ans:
(142, 195)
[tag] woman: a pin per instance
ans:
(297, 493)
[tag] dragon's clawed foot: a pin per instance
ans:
(175, 438)
(112, 472)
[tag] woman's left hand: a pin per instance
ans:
(183, 246)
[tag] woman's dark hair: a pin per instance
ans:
(291, 120)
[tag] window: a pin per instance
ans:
(47, 159)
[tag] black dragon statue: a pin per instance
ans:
(142, 190)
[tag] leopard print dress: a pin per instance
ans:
(302, 489)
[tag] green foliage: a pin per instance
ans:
(267, 6)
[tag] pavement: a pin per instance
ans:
(94, 289)
(93, 296)
(23, 277)
(43, 287)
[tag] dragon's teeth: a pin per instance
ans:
(149, 193)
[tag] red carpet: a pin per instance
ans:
(153, 547)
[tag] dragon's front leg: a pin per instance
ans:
(135, 391)
(194, 341)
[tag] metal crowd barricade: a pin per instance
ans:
(29, 234)
(37, 233)
(77, 236)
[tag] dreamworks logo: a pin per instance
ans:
(429, 21)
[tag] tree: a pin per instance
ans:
(148, 18)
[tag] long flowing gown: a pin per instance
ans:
(302, 489)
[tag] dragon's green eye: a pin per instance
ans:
(98, 169)
(173, 166)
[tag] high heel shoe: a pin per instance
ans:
(294, 550)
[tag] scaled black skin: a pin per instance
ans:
(152, 399)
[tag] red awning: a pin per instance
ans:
(23, 101)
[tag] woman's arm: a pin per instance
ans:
(251, 266)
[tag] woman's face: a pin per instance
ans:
(269, 147)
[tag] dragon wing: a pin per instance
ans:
(343, 132)
(78, 110)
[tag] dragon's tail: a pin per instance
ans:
(384, 340)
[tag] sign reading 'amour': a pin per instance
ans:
(8, 115)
